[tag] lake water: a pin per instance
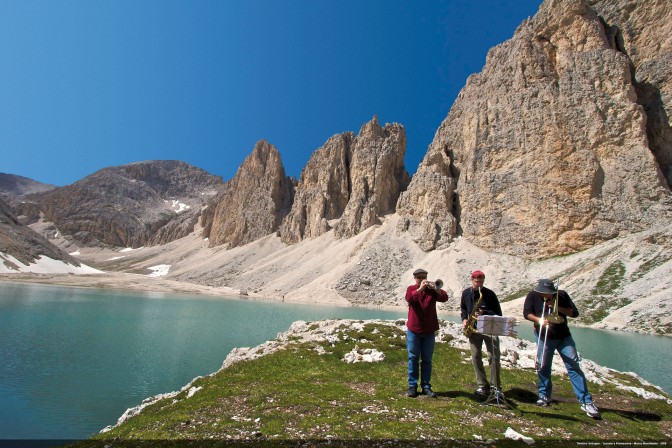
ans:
(73, 360)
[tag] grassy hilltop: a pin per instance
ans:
(301, 393)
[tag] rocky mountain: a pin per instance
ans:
(19, 243)
(559, 146)
(350, 179)
(13, 185)
(559, 143)
(132, 205)
(253, 203)
(554, 161)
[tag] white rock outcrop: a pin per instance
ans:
(363, 355)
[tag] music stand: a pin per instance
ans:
(496, 326)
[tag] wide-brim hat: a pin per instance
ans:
(546, 286)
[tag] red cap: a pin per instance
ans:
(477, 274)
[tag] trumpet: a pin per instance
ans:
(437, 284)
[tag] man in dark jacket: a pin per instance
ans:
(422, 325)
(489, 305)
(552, 333)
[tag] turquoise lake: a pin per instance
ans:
(74, 359)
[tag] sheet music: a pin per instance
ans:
(497, 325)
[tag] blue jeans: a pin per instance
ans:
(420, 350)
(567, 350)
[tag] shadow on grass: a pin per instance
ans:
(479, 399)
(457, 394)
(521, 395)
(529, 397)
(633, 415)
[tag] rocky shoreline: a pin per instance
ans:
(515, 354)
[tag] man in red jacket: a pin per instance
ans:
(422, 325)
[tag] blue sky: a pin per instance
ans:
(86, 84)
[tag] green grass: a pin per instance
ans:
(650, 265)
(601, 301)
(598, 308)
(522, 292)
(610, 280)
(297, 394)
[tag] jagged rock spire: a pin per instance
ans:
(377, 174)
(254, 202)
(351, 179)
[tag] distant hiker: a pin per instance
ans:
(478, 300)
(422, 325)
(548, 307)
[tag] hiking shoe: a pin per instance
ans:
(482, 391)
(429, 392)
(544, 401)
(591, 410)
(412, 392)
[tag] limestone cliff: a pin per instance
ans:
(253, 203)
(351, 179)
(545, 151)
(642, 31)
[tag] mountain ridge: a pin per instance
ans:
(14, 185)
(127, 206)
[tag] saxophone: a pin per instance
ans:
(473, 317)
